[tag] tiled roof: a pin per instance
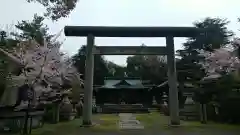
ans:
(122, 83)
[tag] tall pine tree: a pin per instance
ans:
(56, 9)
(34, 29)
(188, 69)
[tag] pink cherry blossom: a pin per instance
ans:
(221, 60)
(41, 63)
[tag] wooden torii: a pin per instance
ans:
(103, 31)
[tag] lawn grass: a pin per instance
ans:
(156, 121)
(106, 122)
(153, 122)
(62, 128)
(102, 123)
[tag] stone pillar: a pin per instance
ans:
(56, 112)
(172, 82)
(203, 113)
(88, 82)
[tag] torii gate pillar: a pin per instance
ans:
(88, 81)
(172, 82)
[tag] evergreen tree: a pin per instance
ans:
(34, 29)
(56, 9)
(100, 66)
(188, 69)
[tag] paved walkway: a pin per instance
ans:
(129, 121)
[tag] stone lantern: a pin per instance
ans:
(165, 98)
(189, 99)
(66, 108)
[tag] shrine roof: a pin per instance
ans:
(121, 83)
(187, 86)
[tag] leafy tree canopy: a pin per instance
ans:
(100, 67)
(34, 29)
(188, 69)
(151, 68)
(56, 9)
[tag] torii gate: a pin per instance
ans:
(100, 31)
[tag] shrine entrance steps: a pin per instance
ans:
(122, 108)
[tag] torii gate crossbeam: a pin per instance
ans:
(129, 50)
(102, 31)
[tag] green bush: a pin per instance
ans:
(230, 110)
(228, 100)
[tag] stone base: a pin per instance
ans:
(126, 108)
(174, 124)
(87, 124)
(67, 116)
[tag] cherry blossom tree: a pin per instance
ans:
(221, 61)
(42, 63)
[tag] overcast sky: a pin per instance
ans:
(125, 13)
